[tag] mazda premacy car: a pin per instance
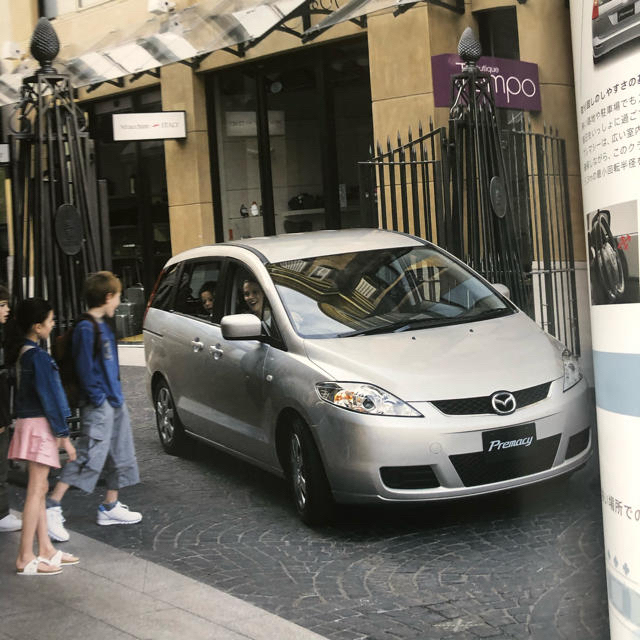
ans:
(363, 366)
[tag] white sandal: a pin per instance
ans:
(58, 560)
(31, 569)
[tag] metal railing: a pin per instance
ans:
(429, 186)
(539, 181)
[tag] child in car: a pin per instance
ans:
(207, 295)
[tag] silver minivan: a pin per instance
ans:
(363, 366)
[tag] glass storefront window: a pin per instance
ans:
(137, 201)
(349, 76)
(4, 228)
(238, 156)
(318, 108)
(296, 164)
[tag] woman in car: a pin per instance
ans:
(253, 296)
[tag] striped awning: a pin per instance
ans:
(186, 35)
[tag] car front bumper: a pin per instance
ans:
(607, 37)
(446, 452)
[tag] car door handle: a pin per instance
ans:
(196, 345)
(216, 352)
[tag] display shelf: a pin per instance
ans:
(305, 212)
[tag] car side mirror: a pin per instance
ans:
(502, 289)
(241, 326)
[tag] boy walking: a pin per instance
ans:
(106, 441)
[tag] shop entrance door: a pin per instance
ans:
(289, 134)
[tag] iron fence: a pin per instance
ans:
(433, 187)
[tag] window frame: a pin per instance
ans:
(188, 266)
(228, 279)
(169, 307)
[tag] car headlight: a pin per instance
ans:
(364, 398)
(572, 373)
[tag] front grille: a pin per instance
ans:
(577, 443)
(483, 468)
(531, 395)
(482, 404)
(409, 477)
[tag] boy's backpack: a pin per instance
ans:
(61, 350)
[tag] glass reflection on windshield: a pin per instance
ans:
(381, 290)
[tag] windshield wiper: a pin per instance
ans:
(404, 325)
(383, 328)
(488, 313)
(427, 323)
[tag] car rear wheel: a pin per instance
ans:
(307, 478)
(170, 430)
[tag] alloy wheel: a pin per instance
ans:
(165, 415)
(298, 473)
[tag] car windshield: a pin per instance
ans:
(381, 291)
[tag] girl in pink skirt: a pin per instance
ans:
(41, 428)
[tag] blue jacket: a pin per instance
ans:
(99, 377)
(40, 392)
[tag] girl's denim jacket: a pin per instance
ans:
(39, 392)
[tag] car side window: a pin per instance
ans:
(245, 295)
(165, 290)
(197, 291)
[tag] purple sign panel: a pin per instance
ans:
(515, 83)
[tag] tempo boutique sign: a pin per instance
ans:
(515, 83)
(160, 125)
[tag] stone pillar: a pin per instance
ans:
(400, 50)
(187, 161)
(550, 49)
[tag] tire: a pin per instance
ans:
(307, 479)
(610, 262)
(170, 430)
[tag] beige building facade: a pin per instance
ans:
(399, 49)
(328, 100)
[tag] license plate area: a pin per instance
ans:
(510, 442)
(625, 13)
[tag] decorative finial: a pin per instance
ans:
(469, 48)
(44, 45)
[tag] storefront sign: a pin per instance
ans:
(515, 83)
(161, 125)
(243, 123)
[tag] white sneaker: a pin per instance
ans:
(10, 523)
(119, 514)
(55, 519)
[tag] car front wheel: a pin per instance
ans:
(307, 478)
(170, 430)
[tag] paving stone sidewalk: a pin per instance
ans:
(114, 595)
(527, 564)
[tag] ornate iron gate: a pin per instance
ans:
(59, 233)
(497, 200)
(537, 164)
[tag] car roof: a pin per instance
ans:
(295, 246)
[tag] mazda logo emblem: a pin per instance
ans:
(503, 402)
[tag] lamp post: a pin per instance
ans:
(482, 229)
(55, 216)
